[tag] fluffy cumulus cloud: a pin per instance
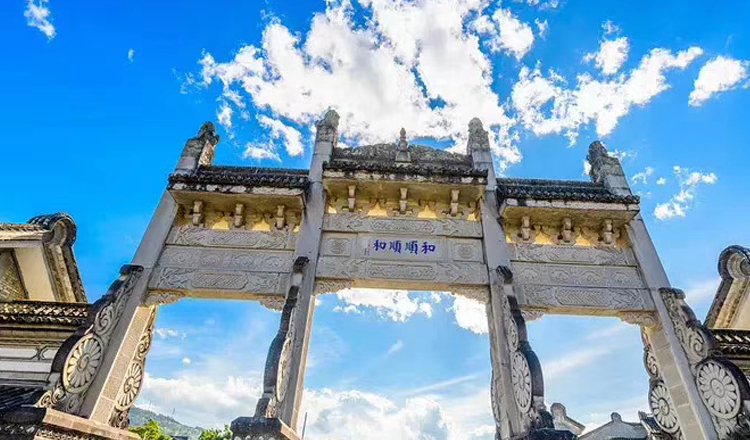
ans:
(718, 75)
(37, 15)
(426, 66)
(680, 203)
(131, 55)
(610, 56)
(545, 104)
(398, 305)
(470, 314)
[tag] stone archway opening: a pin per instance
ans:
(206, 361)
(593, 366)
(397, 364)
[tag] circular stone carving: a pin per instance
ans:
(131, 386)
(511, 329)
(718, 389)
(82, 364)
(652, 366)
(662, 407)
(521, 379)
(465, 251)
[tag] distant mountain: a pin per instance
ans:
(169, 426)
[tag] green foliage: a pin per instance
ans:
(216, 434)
(169, 426)
(151, 431)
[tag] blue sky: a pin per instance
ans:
(99, 97)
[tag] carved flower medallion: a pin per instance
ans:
(718, 389)
(652, 366)
(661, 405)
(83, 363)
(521, 379)
(131, 386)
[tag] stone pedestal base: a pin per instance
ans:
(261, 428)
(50, 424)
(548, 434)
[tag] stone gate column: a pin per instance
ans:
(517, 384)
(98, 373)
(675, 390)
(283, 379)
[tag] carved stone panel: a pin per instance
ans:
(585, 300)
(352, 222)
(422, 273)
(576, 275)
(186, 279)
(232, 259)
(572, 254)
(194, 236)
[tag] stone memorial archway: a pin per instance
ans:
(399, 215)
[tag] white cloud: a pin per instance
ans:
(586, 168)
(292, 137)
(395, 348)
(381, 75)
(661, 181)
(186, 361)
(717, 75)
(224, 115)
(610, 56)
(514, 36)
(622, 155)
(680, 203)
(164, 333)
(37, 15)
(642, 177)
(131, 54)
(470, 314)
(572, 361)
(397, 305)
(610, 28)
(603, 102)
(260, 152)
(542, 27)
(428, 67)
(702, 290)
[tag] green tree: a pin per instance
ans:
(151, 431)
(216, 434)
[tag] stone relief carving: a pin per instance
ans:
(577, 275)
(477, 293)
(584, 297)
(276, 375)
(77, 362)
(272, 302)
(526, 371)
(540, 253)
(361, 268)
(194, 236)
(659, 399)
(176, 278)
(337, 245)
(642, 319)
(11, 287)
(161, 297)
(722, 386)
(354, 222)
(229, 259)
(466, 250)
(323, 285)
(133, 381)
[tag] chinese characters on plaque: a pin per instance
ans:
(399, 246)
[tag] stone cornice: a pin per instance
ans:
(241, 176)
(43, 313)
(566, 190)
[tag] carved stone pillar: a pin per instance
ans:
(722, 387)
(278, 407)
(517, 384)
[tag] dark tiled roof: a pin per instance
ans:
(42, 312)
(428, 170)
(12, 396)
(248, 176)
(733, 342)
(22, 227)
(567, 190)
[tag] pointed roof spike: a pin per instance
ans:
(475, 124)
(402, 139)
(478, 136)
